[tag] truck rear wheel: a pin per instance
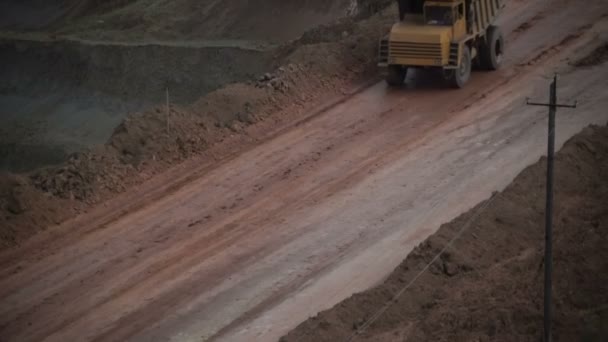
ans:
(457, 78)
(491, 49)
(396, 75)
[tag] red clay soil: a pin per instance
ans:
(488, 285)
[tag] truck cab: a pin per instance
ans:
(446, 14)
(440, 34)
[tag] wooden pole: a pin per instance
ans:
(548, 280)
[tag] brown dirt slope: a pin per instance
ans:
(314, 70)
(488, 285)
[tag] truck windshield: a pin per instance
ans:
(439, 15)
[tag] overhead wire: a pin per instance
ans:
(396, 297)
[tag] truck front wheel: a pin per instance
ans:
(491, 49)
(457, 78)
(396, 75)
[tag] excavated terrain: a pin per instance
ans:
(88, 119)
(284, 177)
(73, 70)
(488, 285)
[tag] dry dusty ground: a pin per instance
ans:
(247, 246)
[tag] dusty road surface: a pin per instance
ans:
(247, 249)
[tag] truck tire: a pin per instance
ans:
(396, 75)
(458, 78)
(491, 49)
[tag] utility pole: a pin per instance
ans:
(553, 105)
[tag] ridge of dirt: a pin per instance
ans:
(488, 285)
(313, 71)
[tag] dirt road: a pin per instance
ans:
(249, 248)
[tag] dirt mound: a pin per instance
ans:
(488, 285)
(61, 95)
(311, 70)
(216, 125)
(25, 210)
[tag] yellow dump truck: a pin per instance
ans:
(451, 35)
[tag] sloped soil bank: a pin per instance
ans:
(488, 285)
(219, 124)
